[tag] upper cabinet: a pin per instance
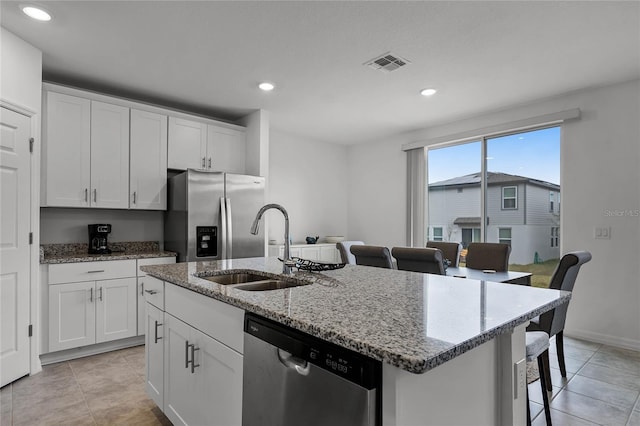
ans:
(66, 153)
(148, 162)
(197, 144)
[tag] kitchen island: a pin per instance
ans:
(448, 346)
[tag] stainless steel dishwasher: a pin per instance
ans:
(291, 378)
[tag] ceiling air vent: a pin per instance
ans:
(387, 62)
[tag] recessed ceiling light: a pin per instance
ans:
(428, 92)
(36, 13)
(267, 87)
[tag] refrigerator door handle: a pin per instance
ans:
(223, 231)
(229, 230)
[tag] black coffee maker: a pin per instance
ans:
(98, 238)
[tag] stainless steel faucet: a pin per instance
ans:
(287, 262)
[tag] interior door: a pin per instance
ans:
(15, 195)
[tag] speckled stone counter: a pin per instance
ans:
(78, 252)
(410, 320)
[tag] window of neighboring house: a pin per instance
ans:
(558, 203)
(509, 197)
(551, 200)
(470, 235)
(504, 235)
(437, 234)
(555, 236)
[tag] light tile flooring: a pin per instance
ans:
(602, 387)
(96, 390)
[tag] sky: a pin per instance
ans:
(534, 154)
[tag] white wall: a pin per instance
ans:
(20, 72)
(60, 225)
(309, 178)
(600, 159)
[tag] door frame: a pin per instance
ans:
(34, 262)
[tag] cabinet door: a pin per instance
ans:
(330, 254)
(116, 316)
(311, 252)
(109, 156)
(187, 144)
(226, 149)
(66, 151)
(71, 315)
(209, 390)
(148, 162)
(154, 355)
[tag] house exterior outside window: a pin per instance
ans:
(551, 200)
(509, 197)
(555, 236)
(437, 234)
(504, 235)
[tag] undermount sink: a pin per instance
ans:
(254, 282)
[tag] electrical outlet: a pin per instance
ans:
(602, 233)
(520, 376)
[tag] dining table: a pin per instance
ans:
(511, 277)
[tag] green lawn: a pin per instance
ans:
(541, 271)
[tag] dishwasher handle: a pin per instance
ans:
(301, 366)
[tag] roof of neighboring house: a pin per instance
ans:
(493, 178)
(467, 221)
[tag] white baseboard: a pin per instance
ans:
(605, 339)
(83, 351)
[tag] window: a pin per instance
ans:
(551, 199)
(437, 234)
(470, 235)
(504, 235)
(509, 197)
(555, 236)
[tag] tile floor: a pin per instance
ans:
(602, 387)
(97, 390)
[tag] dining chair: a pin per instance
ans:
(537, 343)
(372, 256)
(344, 247)
(552, 322)
(425, 260)
(493, 256)
(450, 251)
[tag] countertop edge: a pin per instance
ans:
(102, 258)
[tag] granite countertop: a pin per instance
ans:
(410, 320)
(79, 252)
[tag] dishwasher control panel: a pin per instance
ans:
(343, 362)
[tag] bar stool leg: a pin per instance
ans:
(545, 396)
(560, 350)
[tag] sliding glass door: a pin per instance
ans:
(501, 189)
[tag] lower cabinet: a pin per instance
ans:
(154, 354)
(203, 377)
(89, 312)
(322, 252)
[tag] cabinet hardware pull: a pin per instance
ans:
(134, 197)
(91, 295)
(156, 338)
(86, 195)
(95, 195)
(209, 162)
(96, 271)
(186, 354)
(193, 358)
(142, 288)
(203, 162)
(151, 291)
(101, 294)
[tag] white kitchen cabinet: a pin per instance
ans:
(202, 377)
(109, 156)
(154, 354)
(195, 144)
(187, 144)
(72, 315)
(91, 312)
(85, 153)
(66, 152)
(91, 302)
(226, 149)
(150, 289)
(148, 161)
(323, 252)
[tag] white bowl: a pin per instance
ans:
(334, 238)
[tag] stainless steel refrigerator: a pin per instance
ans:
(209, 215)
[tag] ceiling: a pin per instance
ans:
(209, 56)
